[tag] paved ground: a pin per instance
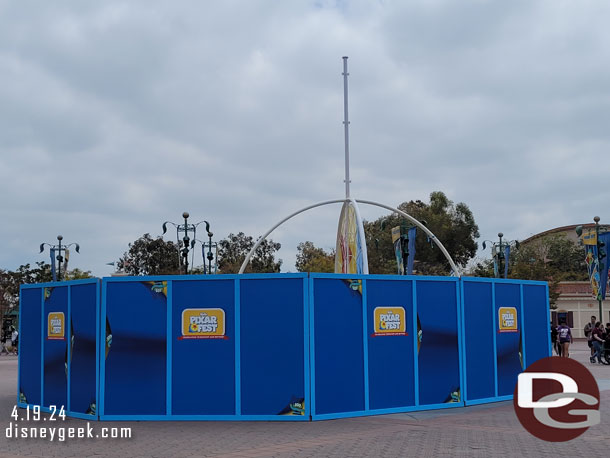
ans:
(482, 431)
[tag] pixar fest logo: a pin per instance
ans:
(203, 324)
(390, 321)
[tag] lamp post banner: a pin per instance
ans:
(605, 238)
(593, 270)
(397, 242)
(53, 273)
(411, 257)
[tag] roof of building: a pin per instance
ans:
(568, 230)
(575, 288)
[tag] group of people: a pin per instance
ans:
(10, 339)
(596, 334)
(561, 337)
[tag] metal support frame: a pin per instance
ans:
(346, 127)
(438, 243)
(352, 201)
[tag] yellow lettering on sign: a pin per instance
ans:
(55, 326)
(203, 324)
(507, 319)
(390, 321)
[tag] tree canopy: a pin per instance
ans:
(453, 224)
(150, 256)
(10, 281)
(313, 259)
(233, 250)
(552, 258)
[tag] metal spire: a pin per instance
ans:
(346, 124)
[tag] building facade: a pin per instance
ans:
(576, 304)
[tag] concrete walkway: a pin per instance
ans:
(481, 431)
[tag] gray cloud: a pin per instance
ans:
(117, 116)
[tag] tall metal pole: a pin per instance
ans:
(346, 125)
(500, 254)
(185, 251)
(599, 260)
(59, 258)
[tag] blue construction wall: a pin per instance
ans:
(497, 350)
(202, 370)
(205, 347)
(277, 346)
(30, 352)
(133, 369)
(57, 349)
(384, 344)
(391, 358)
(439, 356)
(83, 367)
(274, 352)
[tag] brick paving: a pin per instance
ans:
(480, 431)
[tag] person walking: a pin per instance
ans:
(554, 334)
(3, 344)
(588, 333)
(597, 341)
(15, 340)
(565, 338)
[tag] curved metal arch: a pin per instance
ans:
(422, 227)
(263, 237)
(368, 202)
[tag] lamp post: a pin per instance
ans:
(210, 245)
(58, 248)
(187, 244)
(599, 260)
(403, 236)
(210, 256)
(497, 252)
(589, 240)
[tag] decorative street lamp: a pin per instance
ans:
(500, 250)
(210, 256)
(58, 249)
(187, 244)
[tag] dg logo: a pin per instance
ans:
(557, 399)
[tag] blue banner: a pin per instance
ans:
(605, 238)
(593, 270)
(52, 250)
(411, 257)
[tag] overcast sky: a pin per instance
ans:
(116, 116)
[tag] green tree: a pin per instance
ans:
(453, 224)
(553, 258)
(149, 256)
(233, 250)
(10, 281)
(313, 259)
(482, 268)
(77, 274)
